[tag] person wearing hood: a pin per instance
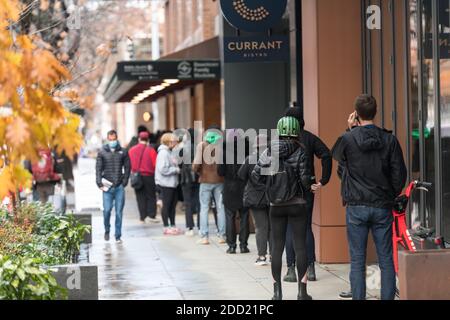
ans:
(205, 164)
(373, 173)
(233, 191)
(166, 177)
(314, 148)
(286, 172)
(112, 174)
(255, 198)
(189, 181)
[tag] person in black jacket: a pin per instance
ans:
(255, 198)
(112, 174)
(314, 147)
(286, 185)
(189, 182)
(373, 174)
(233, 193)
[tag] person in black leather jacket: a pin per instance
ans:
(373, 174)
(287, 201)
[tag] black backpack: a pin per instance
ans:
(283, 185)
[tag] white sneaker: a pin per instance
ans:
(142, 221)
(189, 233)
(153, 220)
(118, 241)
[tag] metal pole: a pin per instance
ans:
(437, 119)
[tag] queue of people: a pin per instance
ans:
(274, 181)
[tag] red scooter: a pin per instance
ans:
(400, 233)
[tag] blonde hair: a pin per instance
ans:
(167, 138)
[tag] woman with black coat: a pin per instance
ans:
(255, 198)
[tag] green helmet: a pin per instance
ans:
(288, 127)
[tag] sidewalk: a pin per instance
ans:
(148, 265)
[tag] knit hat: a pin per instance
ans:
(297, 113)
(212, 137)
(144, 135)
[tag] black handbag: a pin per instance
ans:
(136, 180)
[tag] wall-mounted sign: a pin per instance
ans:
(160, 70)
(256, 49)
(253, 15)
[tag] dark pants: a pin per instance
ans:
(296, 217)
(43, 190)
(191, 203)
(244, 231)
(146, 198)
(169, 199)
(310, 241)
(360, 220)
(262, 230)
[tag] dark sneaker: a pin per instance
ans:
(311, 274)
(231, 250)
(290, 276)
(261, 261)
(245, 249)
(345, 295)
(106, 236)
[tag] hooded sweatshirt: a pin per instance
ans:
(167, 170)
(371, 167)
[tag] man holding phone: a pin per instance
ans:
(373, 174)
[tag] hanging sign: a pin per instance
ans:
(253, 15)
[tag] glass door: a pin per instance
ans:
(444, 113)
(429, 115)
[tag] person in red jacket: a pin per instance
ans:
(143, 160)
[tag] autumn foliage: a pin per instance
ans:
(31, 118)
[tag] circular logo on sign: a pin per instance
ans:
(253, 15)
(184, 69)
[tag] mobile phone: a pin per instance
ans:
(357, 118)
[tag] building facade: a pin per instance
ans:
(396, 50)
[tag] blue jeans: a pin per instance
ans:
(360, 220)
(206, 191)
(114, 196)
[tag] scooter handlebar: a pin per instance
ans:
(421, 184)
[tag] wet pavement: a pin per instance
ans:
(149, 265)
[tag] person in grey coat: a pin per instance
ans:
(166, 177)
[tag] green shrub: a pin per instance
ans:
(62, 234)
(22, 278)
(14, 238)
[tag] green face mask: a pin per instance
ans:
(212, 137)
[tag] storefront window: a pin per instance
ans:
(444, 37)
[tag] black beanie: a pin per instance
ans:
(297, 113)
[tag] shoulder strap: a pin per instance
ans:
(140, 160)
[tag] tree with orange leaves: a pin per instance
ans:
(30, 117)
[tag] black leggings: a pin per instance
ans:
(169, 199)
(296, 216)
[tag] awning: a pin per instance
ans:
(144, 81)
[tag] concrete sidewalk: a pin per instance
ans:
(149, 265)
